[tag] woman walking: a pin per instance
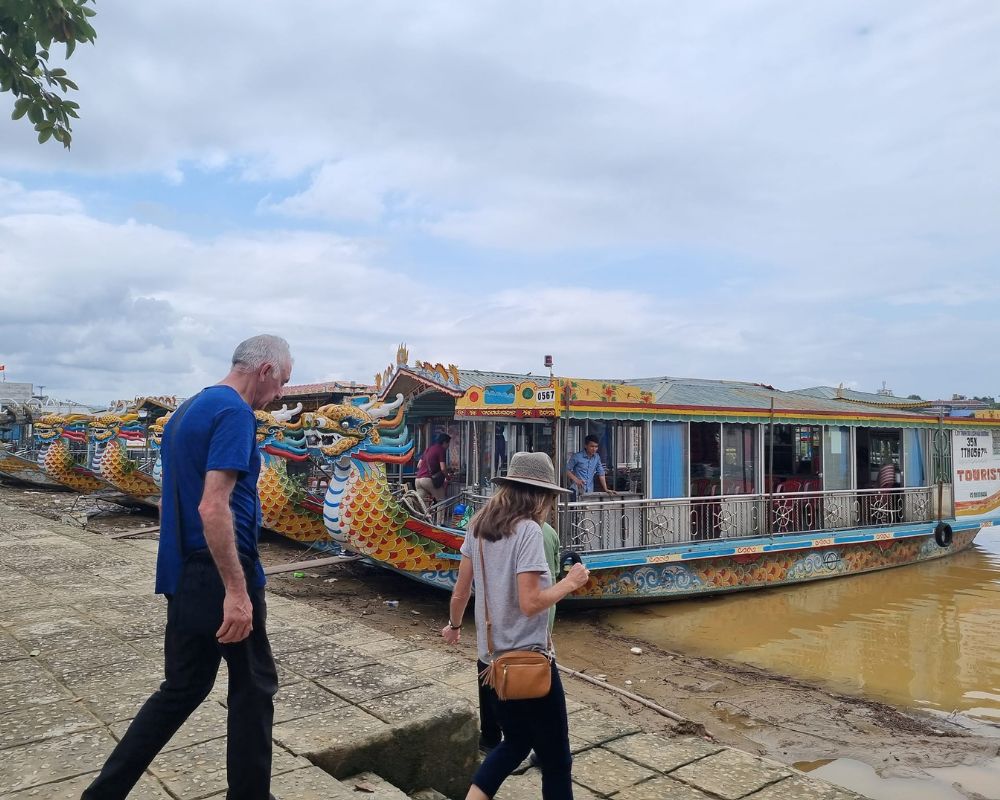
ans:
(504, 558)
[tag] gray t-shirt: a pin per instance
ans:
(522, 551)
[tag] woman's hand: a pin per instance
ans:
(577, 576)
(451, 635)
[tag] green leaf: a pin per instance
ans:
(35, 113)
(45, 135)
(21, 107)
(70, 47)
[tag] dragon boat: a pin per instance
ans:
(719, 486)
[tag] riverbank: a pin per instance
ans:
(792, 721)
(81, 648)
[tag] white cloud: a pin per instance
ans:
(775, 191)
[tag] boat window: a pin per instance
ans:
(620, 446)
(837, 458)
(797, 458)
(706, 463)
(740, 461)
(516, 437)
(877, 448)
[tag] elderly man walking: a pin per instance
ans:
(209, 570)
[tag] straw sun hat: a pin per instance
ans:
(532, 469)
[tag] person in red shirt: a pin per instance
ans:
(432, 472)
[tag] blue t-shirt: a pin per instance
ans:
(586, 468)
(218, 431)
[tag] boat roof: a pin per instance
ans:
(668, 398)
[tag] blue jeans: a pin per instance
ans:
(538, 725)
(191, 658)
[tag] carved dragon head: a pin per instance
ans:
(156, 431)
(51, 427)
(368, 431)
(278, 436)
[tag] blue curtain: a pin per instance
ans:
(913, 457)
(667, 468)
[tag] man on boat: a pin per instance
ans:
(209, 570)
(584, 467)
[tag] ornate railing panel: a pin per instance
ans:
(621, 524)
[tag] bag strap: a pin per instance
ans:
(176, 420)
(486, 599)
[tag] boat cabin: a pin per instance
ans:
(693, 460)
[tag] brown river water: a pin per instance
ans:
(921, 637)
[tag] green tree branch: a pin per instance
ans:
(27, 30)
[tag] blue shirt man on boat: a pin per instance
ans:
(585, 467)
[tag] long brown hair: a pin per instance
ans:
(509, 505)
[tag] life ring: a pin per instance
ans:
(943, 534)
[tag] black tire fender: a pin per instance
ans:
(569, 558)
(943, 534)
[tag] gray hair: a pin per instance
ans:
(256, 351)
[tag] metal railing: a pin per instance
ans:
(622, 524)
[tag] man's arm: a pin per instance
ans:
(217, 522)
(573, 479)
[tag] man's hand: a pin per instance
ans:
(451, 635)
(237, 618)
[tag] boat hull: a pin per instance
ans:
(701, 569)
(709, 575)
(27, 471)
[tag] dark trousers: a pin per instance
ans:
(191, 657)
(527, 725)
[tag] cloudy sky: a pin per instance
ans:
(792, 193)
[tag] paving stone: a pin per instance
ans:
(660, 752)
(123, 660)
(310, 783)
(337, 728)
(11, 649)
(303, 699)
(384, 647)
(23, 671)
(52, 760)
(528, 786)
(289, 640)
(207, 722)
(596, 728)
(114, 703)
(41, 618)
(458, 673)
(146, 789)
(414, 703)
(366, 683)
(324, 660)
(424, 659)
(427, 794)
(134, 669)
(66, 660)
(371, 785)
(200, 770)
(799, 787)
(76, 640)
(730, 774)
(20, 695)
(349, 632)
(605, 772)
(662, 788)
(45, 721)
